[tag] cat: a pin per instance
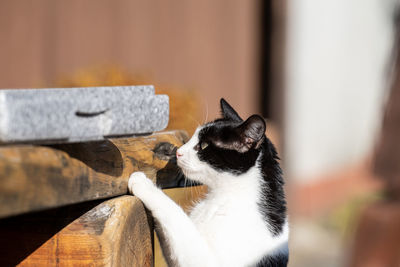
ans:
(242, 221)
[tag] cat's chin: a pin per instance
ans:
(198, 175)
(188, 172)
(197, 178)
(190, 175)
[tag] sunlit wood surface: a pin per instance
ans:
(64, 205)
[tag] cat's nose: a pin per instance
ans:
(178, 154)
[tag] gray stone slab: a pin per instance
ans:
(80, 114)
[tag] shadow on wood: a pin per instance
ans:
(116, 232)
(40, 177)
(101, 156)
(21, 235)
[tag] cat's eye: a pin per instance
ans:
(203, 145)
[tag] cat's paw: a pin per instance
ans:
(139, 184)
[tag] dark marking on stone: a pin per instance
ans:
(85, 114)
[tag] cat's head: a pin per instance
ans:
(228, 145)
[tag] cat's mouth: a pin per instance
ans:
(181, 165)
(185, 167)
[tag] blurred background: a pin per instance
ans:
(323, 73)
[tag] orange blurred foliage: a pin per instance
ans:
(184, 105)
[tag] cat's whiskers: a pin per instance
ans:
(189, 193)
(206, 112)
(186, 181)
(191, 188)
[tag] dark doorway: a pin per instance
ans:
(272, 55)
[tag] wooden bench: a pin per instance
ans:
(67, 204)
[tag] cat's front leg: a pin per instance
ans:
(188, 248)
(141, 186)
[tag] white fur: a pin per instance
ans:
(224, 229)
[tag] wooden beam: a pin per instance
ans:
(34, 178)
(117, 232)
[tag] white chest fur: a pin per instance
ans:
(225, 229)
(230, 221)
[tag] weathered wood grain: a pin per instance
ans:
(117, 232)
(33, 178)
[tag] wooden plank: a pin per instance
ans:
(117, 232)
(37, 177)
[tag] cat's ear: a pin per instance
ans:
(252, 132)
(228, 112)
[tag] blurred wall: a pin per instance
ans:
(337, 69)
(208, 45)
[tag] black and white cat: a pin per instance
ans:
(242, 221)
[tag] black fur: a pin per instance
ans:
(223, 159)
(226, 151)
(273, 203)
(228, 112)
(279, 260)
